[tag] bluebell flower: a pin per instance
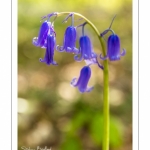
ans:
(83, 80)
(85, 49)
(86, 52)
(50, 46)
(69, 44)
(40, 40)
(113, 48)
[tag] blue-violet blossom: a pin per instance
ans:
(50, 46)
(69, 44)
(86, 50)
(40, 40)
(83, 80)
(113, 48)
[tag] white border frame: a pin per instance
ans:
(14, 74)
(10, 107)
(5, 75)
(135, 76)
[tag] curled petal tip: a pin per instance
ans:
(41, 60)
(123, 52)
(48, 63)
(73, 50)
(78, 58)
(103, 58)
(89, 89)
(60, 48)
(73, 82)
(90, 61)
(55, 63)
(34, 41)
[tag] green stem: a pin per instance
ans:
(105, 84)
(106, 107)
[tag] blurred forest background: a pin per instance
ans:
(51, 113)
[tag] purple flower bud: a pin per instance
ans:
(69, 44)
(49, 54)
(86, 50)
(113, 48)
(83, 80)
(40, 40)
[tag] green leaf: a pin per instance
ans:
(116, 132)
(71, 143)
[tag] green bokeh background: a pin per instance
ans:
(51, 113)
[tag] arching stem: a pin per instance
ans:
(105, 145)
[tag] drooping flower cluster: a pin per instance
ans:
(47, 39)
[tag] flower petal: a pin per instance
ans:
(86, 50)
(40, 40)
(83, 80)
(113, 47)
(49, 54)
(69, 42)
(74, 82)
(89, 89)
(60, 48)
(78, 58)
(90, 61)
(103, 58)
(73, 50)
(123, 52)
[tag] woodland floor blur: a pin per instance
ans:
(52, 113)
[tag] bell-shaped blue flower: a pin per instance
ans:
(69, 44)
(49, 54)
(83, 80)
(86, 50)
(113, 48)
(40, 40)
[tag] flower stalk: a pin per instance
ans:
(105, 144)
(46, 39)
